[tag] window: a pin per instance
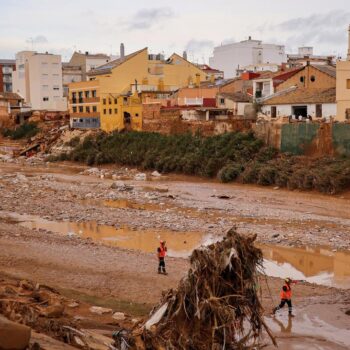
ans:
(110, 111)
(80, 94)
(44, 75)
(45, 98)
(115, 110)
(74, 109)
(87, 94)
(105, 111)
(313, 78)
(94, 108)
(93, 92)
(74, 95)
(115, 101)
(302, 79)
(136, 115)
(109, 101)
(273, 111)
(347, 113)
(45, 87)
(81, 110)
(222, 101)
(56, 87)
(87, 109)
(318, 111)
(348, 83)
(104, 101)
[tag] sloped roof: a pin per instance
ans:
(236, 96)
(107, 68)
(10, 96)
(330, 70)
(303, 96)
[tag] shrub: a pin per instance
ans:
(230, 172)
(26, 130)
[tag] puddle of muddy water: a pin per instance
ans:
(180, 244)
(308, 332)
(319, 265)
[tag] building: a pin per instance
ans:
(234, 102)
(84, 104)
(306, 77)
(232, 57)
(6, 69)
(306, 56)
(258, 68)
(343, 87)
(70, 74)
(128, 77)
(87, 61)
(38, 79)
(211, 72)
(299, 101)
(11, 104)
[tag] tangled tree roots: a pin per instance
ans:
(216, 305)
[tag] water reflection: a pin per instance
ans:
(318, 265)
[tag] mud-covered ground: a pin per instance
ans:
(101, 273)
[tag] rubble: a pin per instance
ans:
(100, 310)
(216, 306)
(140, 177)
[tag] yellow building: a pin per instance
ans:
(84, 104)
(120, 80)
(343, 90)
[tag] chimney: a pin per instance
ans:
(122, 50)
(348, 58)
(184, 55)
(249, 38)
(86, 53)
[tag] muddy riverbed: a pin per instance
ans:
(93, 233)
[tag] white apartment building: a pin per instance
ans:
(231, 58)
(38, 79)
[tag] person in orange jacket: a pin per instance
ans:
(286, 296)
(161, 251)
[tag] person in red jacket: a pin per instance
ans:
(162, 250)
(286, 296)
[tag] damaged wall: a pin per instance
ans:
(170, 121)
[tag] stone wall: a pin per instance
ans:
(168, 121)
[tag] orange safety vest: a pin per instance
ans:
(162, 252)
(286, 294)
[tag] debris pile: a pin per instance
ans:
(216, 305)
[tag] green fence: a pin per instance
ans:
(295, 138)
(301, 137)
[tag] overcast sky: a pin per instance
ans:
(168, 26)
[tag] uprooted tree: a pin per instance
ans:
(216, 306)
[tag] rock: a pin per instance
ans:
(73, 305)
(275, 235)
(223, 196)
(140, 177)
(88, 196)
(276, 188)
(156, 174)
(22, 178)
(100, 310)
(117, 185)
(13, 336)
(119, 316)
